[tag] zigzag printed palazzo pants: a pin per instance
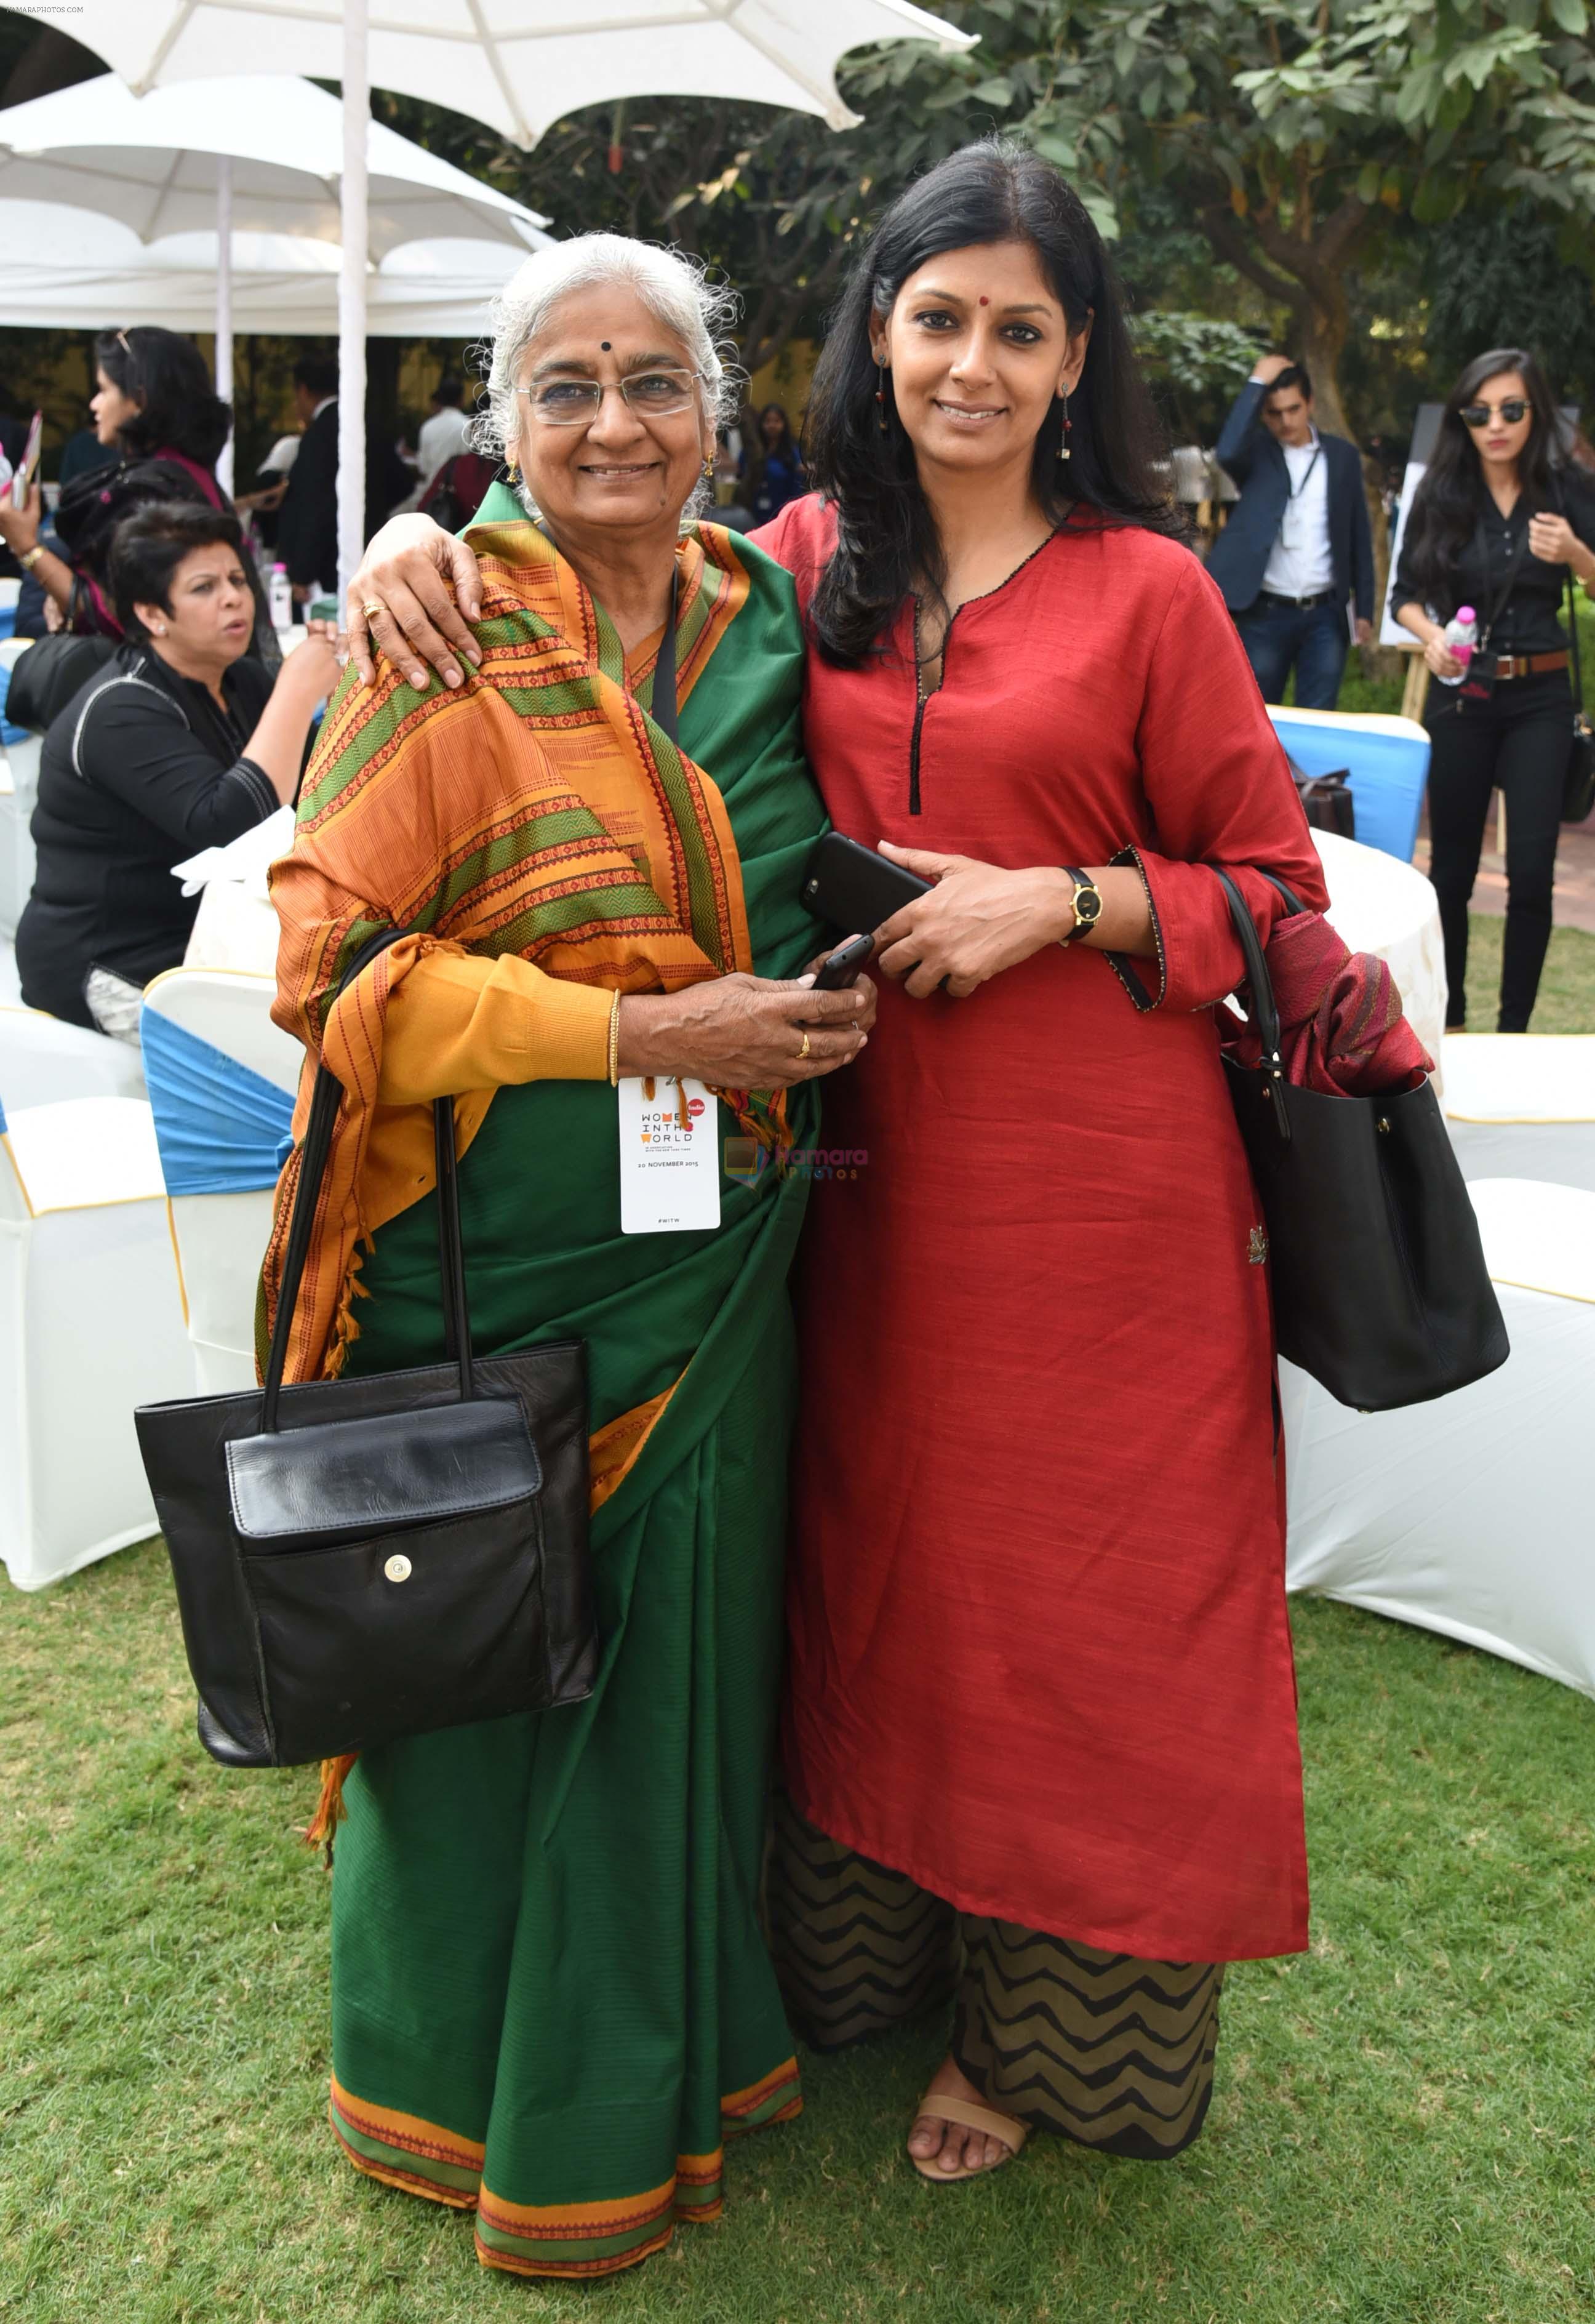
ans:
(1114, 2052)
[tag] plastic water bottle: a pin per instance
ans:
(280, 598)
(1461, 637)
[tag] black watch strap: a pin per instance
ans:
(1088, 902)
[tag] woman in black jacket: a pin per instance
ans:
(1498, 523)
(185, 741)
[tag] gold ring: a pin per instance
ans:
(802, 1052)
(375, 607)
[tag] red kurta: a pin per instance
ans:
(1040, 1659)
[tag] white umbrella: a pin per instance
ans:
(517, 64)
(263, 155)
(70, 270)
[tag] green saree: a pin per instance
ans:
(551, 2000)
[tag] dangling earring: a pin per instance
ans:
(708, 476)
(880, 393)
(1064, 439)
(512, 466)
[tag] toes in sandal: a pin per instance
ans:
(970, 2116)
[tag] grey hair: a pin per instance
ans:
(675, 289)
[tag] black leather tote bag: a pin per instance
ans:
(358, 1560)
(1380, 1289)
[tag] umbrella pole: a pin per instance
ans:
(223, 308)
(351, 301)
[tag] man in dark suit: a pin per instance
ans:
(307, 528)
(1298, 544)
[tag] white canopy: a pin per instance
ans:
(153, 162)
(264, 154)
(520, 64)
(77, 272)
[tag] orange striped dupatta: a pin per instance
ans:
(537, 809)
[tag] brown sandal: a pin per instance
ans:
(970, 2116)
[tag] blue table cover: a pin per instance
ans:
(221, 1129)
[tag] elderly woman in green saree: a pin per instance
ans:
(551, 2001)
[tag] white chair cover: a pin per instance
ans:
(91, 1325)
(221, 1238)
(43, 1059)
(1470, 1515)
(17, 802)
(237, 927)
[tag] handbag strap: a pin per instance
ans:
(1264, 1008)
(1572, 607)
(1499, 607)
(325, 1102)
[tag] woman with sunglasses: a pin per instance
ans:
(1498, 523)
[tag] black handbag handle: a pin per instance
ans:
(1264, 1008)
(325, 1102)
(1572, 606)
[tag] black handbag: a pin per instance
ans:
(1380, 1289)
(359, 1560)
(1578, 789)
(52, 672)
(1326, 799)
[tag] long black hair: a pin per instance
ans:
(1445, 506)
(164, 373)
(887, 542)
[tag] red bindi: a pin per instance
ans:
(985, 302)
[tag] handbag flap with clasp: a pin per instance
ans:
(342, 1477)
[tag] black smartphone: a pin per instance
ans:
(852, 886)
(843, 964)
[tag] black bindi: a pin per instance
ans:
(603, 347)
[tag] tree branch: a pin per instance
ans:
(1221, 227)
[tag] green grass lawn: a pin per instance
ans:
(1565, 1003)
(1401, 2134)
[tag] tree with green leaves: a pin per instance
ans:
(1287, 130)
(1289, 124)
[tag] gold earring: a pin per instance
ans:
(512, 468)
(708, 476)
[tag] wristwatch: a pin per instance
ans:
(28, 558)
(1088, 903)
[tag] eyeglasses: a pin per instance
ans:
(577, 402)
(1516, 408)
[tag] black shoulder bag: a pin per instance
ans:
(358, 1560)
(1578, 789)
(1380, 1289)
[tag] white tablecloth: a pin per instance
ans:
(1379, 905)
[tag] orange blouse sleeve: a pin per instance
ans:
(460, 1022)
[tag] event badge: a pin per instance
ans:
(669, 1157)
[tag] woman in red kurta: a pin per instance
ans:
(1041, 1709)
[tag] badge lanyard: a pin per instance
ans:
(1292, 497)
(670, 1133)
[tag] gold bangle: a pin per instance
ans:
(614, 1044)
(29, 556)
